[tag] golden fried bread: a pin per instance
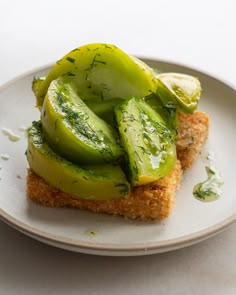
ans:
(152, 201)
(193, 132)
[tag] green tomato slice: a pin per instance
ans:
(148, 142)
(73, 130)
(101, 71)
(94, 182)
(183, 90)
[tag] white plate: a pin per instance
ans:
(191, 220)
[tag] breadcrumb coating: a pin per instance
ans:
(193, 132)
(153, 201)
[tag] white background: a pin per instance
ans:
(201, 34)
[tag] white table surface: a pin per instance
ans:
(201, 34)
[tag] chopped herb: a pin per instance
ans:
(139, 158)
(145, 151)
(91, 232)
(76, 49)
(95, 62)
(124, 188)
(70, 59)
(69, 74)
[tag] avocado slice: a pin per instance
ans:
(149, 144)
(101, 182)
(73, 131)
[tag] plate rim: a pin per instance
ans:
(112, 248)
(102, 248)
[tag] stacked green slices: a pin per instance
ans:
(108, 122)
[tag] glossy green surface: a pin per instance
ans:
(101, 71)
(166, 109)
(182, 90)
(101, 182)
(148, 142)
(73, 130)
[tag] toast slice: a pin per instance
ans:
(152, 201)
(193, 132)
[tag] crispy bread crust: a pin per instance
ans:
(193, 132)
(152, 201)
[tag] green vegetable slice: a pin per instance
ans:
(183, 90)
(36, 84)
(104, 109)
(73, 130)
(148, 142)
(101, 182)
(166, 109)
(100, 72)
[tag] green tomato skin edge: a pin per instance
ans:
(93, 182)
(73, 130)
(182, 90)
(147, 141)
(97, 69)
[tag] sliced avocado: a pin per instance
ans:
(101, 182)
(182, 90)
(73, 130)
(100, 72)
(148, 142)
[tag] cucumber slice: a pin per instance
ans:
(102, 182)
(148, 142)
(183, 90)
(73, 130)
